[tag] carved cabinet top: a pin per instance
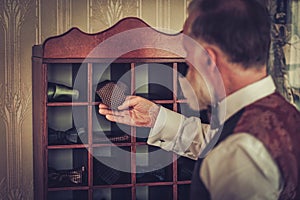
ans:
(129, 38)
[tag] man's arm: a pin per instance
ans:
(135, 111)
(175, 132)
(170, 130)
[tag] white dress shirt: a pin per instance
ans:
(240, 167)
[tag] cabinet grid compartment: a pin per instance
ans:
(73, 144)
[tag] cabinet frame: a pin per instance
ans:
(75, 46)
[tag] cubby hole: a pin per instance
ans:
(115, 72)
(185, 109)
(184, 191)
(142, 134)
(67, 168)
(105, 131)
(111, 165)
(154, 81)
(73, 79)
(112, 194)
(185, 167)
(182, 69)
(68, 194)
(153, 164)
(154, 192)
(67, 125)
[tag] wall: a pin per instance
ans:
(24, 23)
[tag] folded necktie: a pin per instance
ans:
(105, 174)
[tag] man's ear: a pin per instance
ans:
(212, 58)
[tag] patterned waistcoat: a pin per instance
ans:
(276, 124)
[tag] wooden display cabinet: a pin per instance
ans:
(73, 143)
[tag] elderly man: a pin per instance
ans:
(256, 155)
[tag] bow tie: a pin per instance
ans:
(69, 136)
(213, 116)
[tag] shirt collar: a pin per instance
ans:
(244, 97)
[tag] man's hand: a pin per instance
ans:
(135, 111)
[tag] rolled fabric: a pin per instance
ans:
(65, 177)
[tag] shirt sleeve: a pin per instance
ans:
(174, 132)
(240, 167)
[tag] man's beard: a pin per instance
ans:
(197, 95)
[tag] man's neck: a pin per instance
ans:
(238, 78)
